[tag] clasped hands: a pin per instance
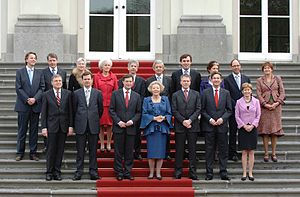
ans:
(187, 123)
(217, 122)
(159, 118)
(125, 124)
(271, 107)
(31, 101)
(248, 127)
(70, 132)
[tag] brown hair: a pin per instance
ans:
(87, 72)
(211, 64)
(27, 55)
(267, 64)
(246, 85)
(52, 55)
(215, 73)
(185, 56)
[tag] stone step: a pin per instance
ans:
(48, 192)
(8, 95)
(293, 192)
(234, 173)
(71, 164)
(237, 184)
(7, 89)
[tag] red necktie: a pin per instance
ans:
(216, 98)
(186, 94)
(126, 98)
(58, 98)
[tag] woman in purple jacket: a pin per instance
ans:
(247, 114)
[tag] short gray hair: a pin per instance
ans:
(104, 62)
(162, 87)
(133, 62)
(158, 62)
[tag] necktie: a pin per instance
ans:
(237, 80)
(216, 98)
(58, 98)
(53, 71)
(30, 75)
(87, 97)
(159, 79)
(126, 98)
(186, 72)
(186, 94)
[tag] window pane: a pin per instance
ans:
(279, 35)
(278, 7)
(101, 6)
(138, 33)
(138, 7)
(101, 36)
(250, 34)
(250, 7)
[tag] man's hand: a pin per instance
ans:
(45, 132)
(122, 124)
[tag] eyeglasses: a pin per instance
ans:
(237, 65)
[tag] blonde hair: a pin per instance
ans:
(81, 59)
(246, 85)
(162, 87)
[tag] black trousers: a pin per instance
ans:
(55, 152)
(80, 146)
(213, 138)
(180, 139)
(124, 145)
(232, 136)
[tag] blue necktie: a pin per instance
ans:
(30, 75)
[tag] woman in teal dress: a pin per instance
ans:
(156, 122)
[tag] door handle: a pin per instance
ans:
(117, 7)
(123, 7)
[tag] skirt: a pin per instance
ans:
(247, 140)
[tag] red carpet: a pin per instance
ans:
(108, 186)
(119, 68)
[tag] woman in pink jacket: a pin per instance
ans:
(247, 114)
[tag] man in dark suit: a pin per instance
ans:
(233, 84)
(57, 123)
(138, 86)
(186, 106)
(159, 68)
(48, 72)
(186, 62)
(125, 110)
(88, 108)
(53, 69)
(216, 108)
(29, 87)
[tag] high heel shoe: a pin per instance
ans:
(266, 158)
(251, 178)
(243, 178)
(102, 149)
(108, 148)
(159, 178)
(274, 158)
(150, 177)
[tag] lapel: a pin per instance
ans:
(83, 97)
(53, 97)
(34, 77)
(212, 97)
(62, 97)
(121, 97)
(264, 80)
(24, 72)
(221, 96)
(183, 97)
(233, 81)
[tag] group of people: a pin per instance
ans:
(95, 105)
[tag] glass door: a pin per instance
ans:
(120, 29)
(265, 30)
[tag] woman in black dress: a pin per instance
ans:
(75, 80)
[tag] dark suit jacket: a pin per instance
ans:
(139, 86)
(209, 109)
(195, 84)
(56, 117)
(184, 110)
(167, 82)
(47, 78)
(119, 112)
(232, 87)
(87, 114)
(25, 90)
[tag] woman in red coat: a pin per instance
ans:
(106, 82)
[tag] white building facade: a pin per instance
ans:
(251, 30)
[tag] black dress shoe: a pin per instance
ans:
(34, 157)
(159, 178)
(119, 178)
(138, 157)
(57, 177)
(49, 177)
(225, 178)
(208, 177)
(94, 177)
(76, 177)
(244, 178)
(129, 177)
(194, 177)
(150, 177)
(234, 158)
(168, 157)
(19, 157)
(178, 176)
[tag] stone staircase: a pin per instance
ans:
(26, 178)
